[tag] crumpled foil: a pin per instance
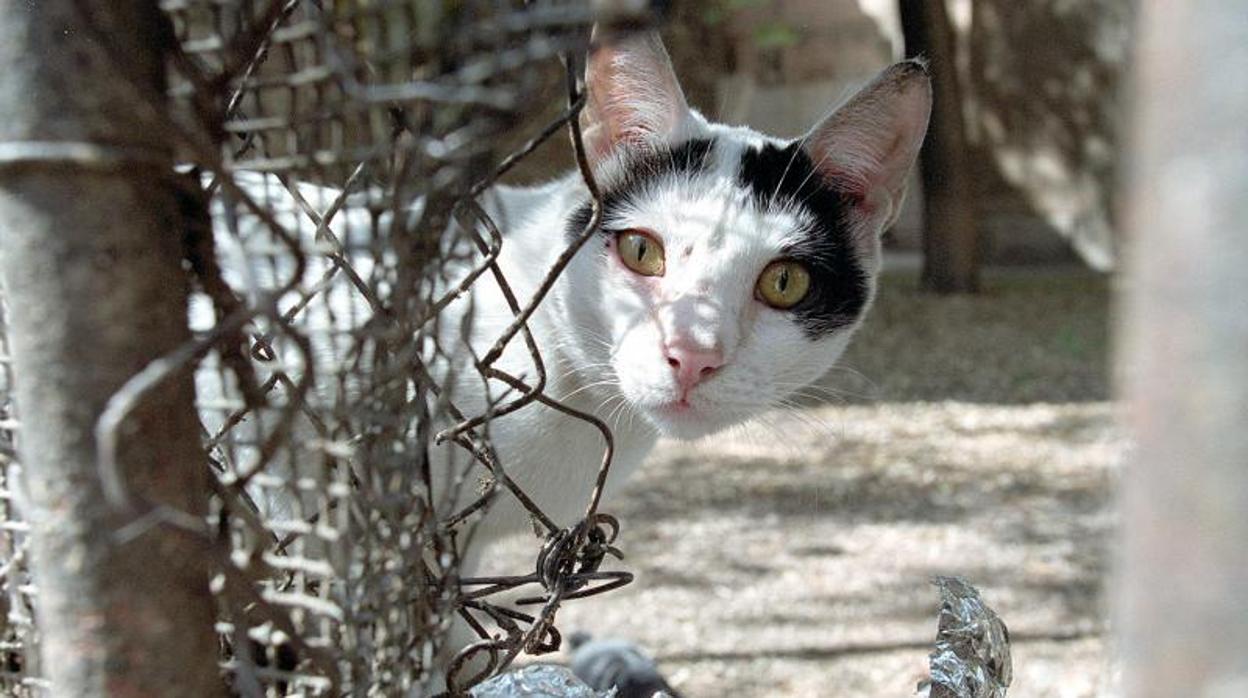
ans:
(972, 655)
(538, 681)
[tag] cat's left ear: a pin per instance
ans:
(634, 97)
(867, 147)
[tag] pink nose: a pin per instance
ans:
(692, 365)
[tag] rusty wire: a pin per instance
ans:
(376, 125)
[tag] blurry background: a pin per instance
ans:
(1040, 86)
(970, 430)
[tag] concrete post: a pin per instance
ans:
(90, 256)
(1182, 582)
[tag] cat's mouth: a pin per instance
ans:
(683, 419)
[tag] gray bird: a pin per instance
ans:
(603, 664)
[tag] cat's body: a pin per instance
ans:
(730, 271)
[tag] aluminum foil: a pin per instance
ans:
(972, 655)
(538, 681)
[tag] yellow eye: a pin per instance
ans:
(641, 252)
(783, 284)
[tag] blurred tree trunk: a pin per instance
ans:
(1183, 576)
(950, 242)
(90, 252)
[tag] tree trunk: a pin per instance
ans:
(950, 244)
(90, 255)
(1182, 587)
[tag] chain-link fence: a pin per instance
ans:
(340, 150)
(19, 668)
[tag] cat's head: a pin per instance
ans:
(731, 268)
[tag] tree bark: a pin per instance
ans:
(90, 255)
(950, 240)
(1182, 586)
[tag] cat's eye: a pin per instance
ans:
(641, 252)
(783, 284)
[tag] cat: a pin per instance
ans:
(730, 270)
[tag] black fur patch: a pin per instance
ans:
(687, 159)
(838, 293)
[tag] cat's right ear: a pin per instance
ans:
(633, 95)
(868, 145)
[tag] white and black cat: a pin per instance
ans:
(731, 269)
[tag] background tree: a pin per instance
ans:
(950, 240)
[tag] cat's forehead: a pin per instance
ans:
(728, 187)
(708, 212)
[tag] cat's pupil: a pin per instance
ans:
(782, 281)
(641, 250)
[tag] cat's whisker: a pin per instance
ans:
(589, 386)
(815, 392)
(618, 411)
(838, 392)
(771, 201)
(593, 371)
(832, 393)
(609, 405)
(810, 421)
(764, 433)
(842, 368)
(632, 414)
(798, 147)
(783, 434)
(592, 334)
(570, 371)
(778, 434)
(813, 171)
(605, 402)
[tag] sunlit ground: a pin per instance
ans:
(792, 558)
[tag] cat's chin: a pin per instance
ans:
(683, 422)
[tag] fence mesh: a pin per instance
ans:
(19, 668)
(341, 149)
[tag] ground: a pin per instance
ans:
(971, 436)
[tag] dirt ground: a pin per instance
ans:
(973, 436)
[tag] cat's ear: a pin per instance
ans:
(867, 147)
(634, 97)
